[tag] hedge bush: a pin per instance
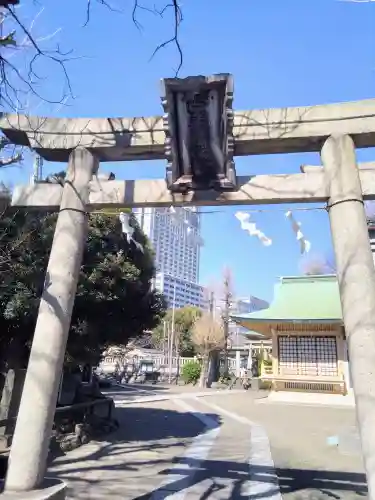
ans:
(191, 372)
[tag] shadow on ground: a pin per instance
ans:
(141, 429)
(321, 484)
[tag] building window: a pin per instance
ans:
(309, 356)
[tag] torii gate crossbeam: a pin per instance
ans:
(309, 187)
(263, 131)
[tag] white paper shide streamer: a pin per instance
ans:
(305, 245)
(251, 228)
(129, 230)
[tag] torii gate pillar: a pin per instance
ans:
(30, 446)
(356, 277)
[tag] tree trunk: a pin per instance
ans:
(213, 369)
(203, 377)
(10, 398)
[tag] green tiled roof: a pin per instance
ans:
(300, 298)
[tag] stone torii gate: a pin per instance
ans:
(199, 136)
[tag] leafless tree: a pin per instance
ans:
(211, 293)
(317, 265)
(22, 50)
(219, 296)
(227, 300)
(208, 338)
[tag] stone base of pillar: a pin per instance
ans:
(52, 489)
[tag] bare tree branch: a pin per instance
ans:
(137, 6)
(16, 84)
(102, 2)
(20, 81)
(19, 78)
(177, 14)
(317, 264)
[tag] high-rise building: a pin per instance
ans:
(175, 237)
(179, 292)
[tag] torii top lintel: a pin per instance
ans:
(264, 131)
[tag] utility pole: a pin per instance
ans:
(164, 337)
(227, 304)
(37, 169)
(211, 304)
(172, 336)
(177, 348)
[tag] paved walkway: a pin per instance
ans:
(188, 445)
(308, 398)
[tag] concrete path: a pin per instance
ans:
(309, 463)
(311, 399)
(191, 446)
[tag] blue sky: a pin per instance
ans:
(281, 53)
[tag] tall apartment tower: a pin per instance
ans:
(175, 235)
